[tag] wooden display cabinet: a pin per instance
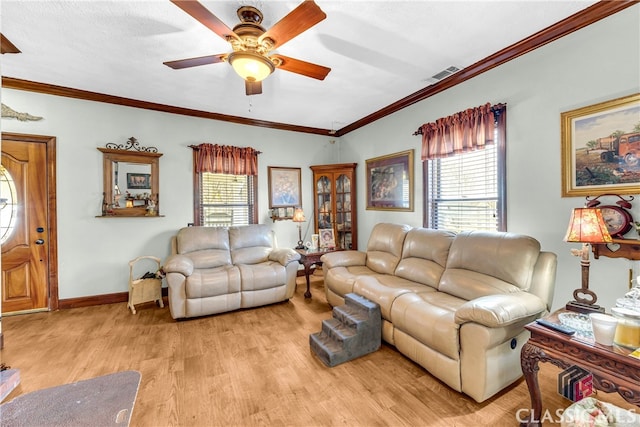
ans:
(334, 202)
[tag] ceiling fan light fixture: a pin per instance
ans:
(252, 67)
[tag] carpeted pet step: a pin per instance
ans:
(337, 330)
(327, 349)
(350, 315)
(354, 330)
(360, 302)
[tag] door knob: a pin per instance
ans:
(39, 242)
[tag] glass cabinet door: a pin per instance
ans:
(323, 194)
(343, 212)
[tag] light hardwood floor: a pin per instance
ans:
(247, 368)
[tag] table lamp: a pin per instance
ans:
(586, 226)
(298, 216)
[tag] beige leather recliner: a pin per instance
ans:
(454, 303)
(215, 269)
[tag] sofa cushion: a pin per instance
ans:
(262, 276)
(212, 282)
(384, 248)
(429, 318)
(485, 263)
(250, 244)
(207, 247)
(341, 279)
(424, 255)
(383, 289)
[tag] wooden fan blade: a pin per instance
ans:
(195, 62)
(297, 21)
(302, 67)
(253, 88)
(6, 46)
(206, 18)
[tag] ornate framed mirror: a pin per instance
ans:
(130, 175)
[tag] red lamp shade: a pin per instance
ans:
(587, 226)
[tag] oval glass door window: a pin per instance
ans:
(8, 205)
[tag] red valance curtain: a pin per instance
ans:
(225, 159)
(467, 130)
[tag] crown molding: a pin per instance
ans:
(579, 20)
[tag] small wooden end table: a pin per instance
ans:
(612, 368)
(308, 259)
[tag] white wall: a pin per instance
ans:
(94, 252)
(595, 64)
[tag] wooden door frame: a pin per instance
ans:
(52, 226)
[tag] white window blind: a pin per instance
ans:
(226, 200)
(463, 191)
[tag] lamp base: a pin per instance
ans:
(300, 245)
(581, 307)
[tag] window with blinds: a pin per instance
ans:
(465, 191)
(226, 200)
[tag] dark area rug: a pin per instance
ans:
(101, 401)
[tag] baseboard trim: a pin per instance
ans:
(89, 301)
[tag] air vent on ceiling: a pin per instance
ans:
(442, 75)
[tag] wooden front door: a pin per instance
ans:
(27, 223)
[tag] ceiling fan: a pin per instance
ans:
(252, 44)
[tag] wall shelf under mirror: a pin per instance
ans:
(130, 175)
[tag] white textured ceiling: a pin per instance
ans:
(379, 51)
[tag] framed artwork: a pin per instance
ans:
(601, 148)
(141, 181)
(284, 187)
(390, 182)
(327, 239)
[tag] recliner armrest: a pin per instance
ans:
(284, 255)
(499, 310)
(344, 259)
(178, 264)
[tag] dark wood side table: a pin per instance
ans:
(611, 367)
(308, 259)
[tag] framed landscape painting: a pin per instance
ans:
(601, 148)
(390, 182)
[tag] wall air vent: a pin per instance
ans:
(442, 75)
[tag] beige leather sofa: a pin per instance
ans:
(213, 270)
(454, 303)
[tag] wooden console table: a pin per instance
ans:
(612, 368)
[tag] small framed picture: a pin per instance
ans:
(327, 240)
(141, 181)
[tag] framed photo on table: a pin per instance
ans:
(601, 148)
(390, 182)
(327, 239)
(284, 187)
